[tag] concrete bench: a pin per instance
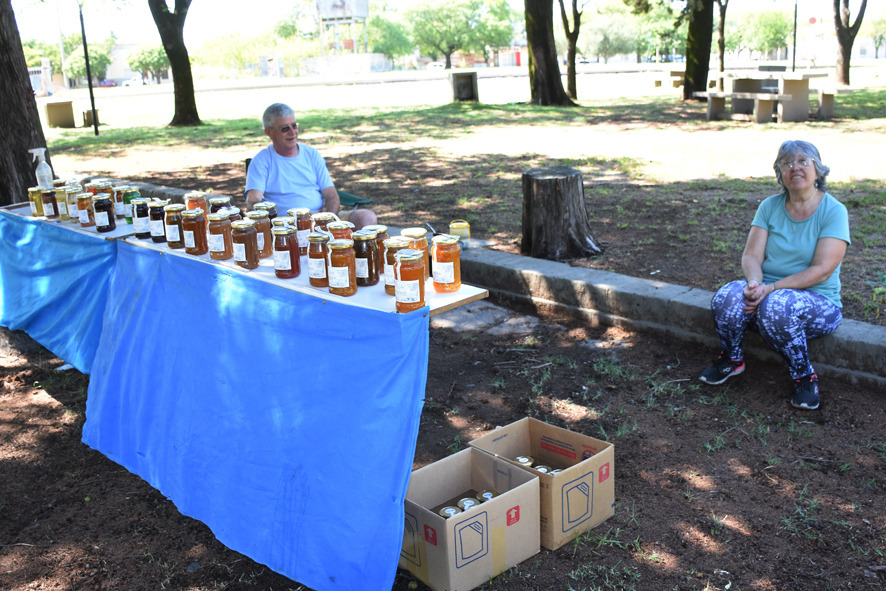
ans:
(764, 103)
(826, 100)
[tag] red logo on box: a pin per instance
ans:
(431, 535)
(604, 472)
(513, 515)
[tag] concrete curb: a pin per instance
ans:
(857, 350)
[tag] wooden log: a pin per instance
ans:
(555, 220)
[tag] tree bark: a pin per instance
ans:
(698, 46)
(545, 84)
(19, 118)
(846, 36)
(572, 43)
(555, 220)
(721, 41)
(171, 27)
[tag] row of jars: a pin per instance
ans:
(97, 204)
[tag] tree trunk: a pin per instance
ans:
(171, 27)
(721, 42)
(545, 84)
(555, 221)
(572, 42)
(698, 46)
(19, 118)
(845, 36)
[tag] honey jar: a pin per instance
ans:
(221, 246)
(263, 232)
(35, 197)
(321, 219)
(409, 273)
(119, 206)
(418, 238)
(366, 252)
(71, 192)
(447, 263)
(340, 229)
(303, 226)
(85, 210)
(287, 264)
(268, 206)
(50, 204)
(194, 227)
(342, 268)
(391, 247)
(196, 200)
(245, 243)
(175, 236)
(381, 234)
(318, 250)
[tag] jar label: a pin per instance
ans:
(72, 211)
(48, 210)
(101, 219)
(444, 272)
(216, 242)
(408, 292)
(389, 275)
(141, 225)
(119, 210)
(240, 252)
(317, 268)
(63, 208)
(339, 277)
(362, 268)
(282, 260)
(302, 238)
(127, 210)
(260, 239)
(33, 208)
(156, 228)
(172, 234)
(189, 239)
(84, 216)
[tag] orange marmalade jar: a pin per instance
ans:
(263, 229)
(221, 247)
(391, 247)
(342, 268)
(303, 226)
(194, 226)
(447, 263)
(410, 274)
(287, 264)
(196, 200)
(85, 210)
(366, 251)
(244, 237)
(341, 230)
(418, 239)
(318, 249)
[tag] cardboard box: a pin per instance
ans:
(467, 549)
(574, 500)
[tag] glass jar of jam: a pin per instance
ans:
(381, 234)
(119, 206)
(140, 220)
(283, 220)
(263, 229)
(93, 188)
(71, 192)
(410, 274)
(318, 249)
(245, 242)
(59, 183)
(342, 268)
(194, 227)
(366, 252)
(447, 263)
(50, 204)
(392, 246)
(35, 197)
(85, 210)
(418, 239)
(156, 217)
(341, 230)
(268, 206)
(321, 219)
(303, 226)
(105, 220)
(287, 264)
(234, 213)
(128, 195)
(196, 200)
(175, 236)
(221, 246)
(61, 200)
(219, 203)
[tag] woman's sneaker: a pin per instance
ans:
(806, 392)
(721, 370)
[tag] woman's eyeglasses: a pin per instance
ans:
(802, 163)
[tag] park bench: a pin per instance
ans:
(826, 100)
(764, 103)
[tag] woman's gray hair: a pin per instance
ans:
(793, 148)
(273, 112)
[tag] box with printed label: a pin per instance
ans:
(576, 474)
(478, 540)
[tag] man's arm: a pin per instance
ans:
(330, 200)
(253, 196)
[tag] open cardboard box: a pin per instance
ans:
(466, 550)
(574, 500)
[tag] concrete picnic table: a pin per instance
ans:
(749, 87)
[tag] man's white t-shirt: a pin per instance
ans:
(289, 181)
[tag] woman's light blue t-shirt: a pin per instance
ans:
(791, 245)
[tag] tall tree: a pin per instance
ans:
(149, 60)
(572, 41)
(698, 46)
(19, 118)
(171, 27)
(443, 27)
(721, 40)
(545, 83)
(846, 36)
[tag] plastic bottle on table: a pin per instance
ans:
(44, 171)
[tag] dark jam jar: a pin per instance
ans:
(366, 251)
(194, 226)
(105, 218)
(175, 235)
(156, 217)
(50, 204)
(268, 206)
(286, 258)
(243, 235)
(217, 203)
(140, 220)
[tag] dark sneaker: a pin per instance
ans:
(721, 370)
(806, 392)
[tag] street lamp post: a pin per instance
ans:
(88, 72)
(794, 61)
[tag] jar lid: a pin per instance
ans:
(120, 188)
(257, 214)
(339, 225)
(396, 241)
(414, 232)
(37, 188)
(83, 195)
(129, 190)
(323, 215)
(408, 254)
(378, 228)
(219, 216)
(193, 194)
(219, 200)
(45, 191)
(242, 224)
(283, 230)
(445, 239)
(140, 201)
(191, 213)
(73, 189)
(283, 220)
(157, 203)
(297, 211)
(58, 182)
(364, 234)
(174, 207)
(265, 205)
(341, 243)
(318, 237)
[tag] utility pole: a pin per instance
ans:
(88, 72)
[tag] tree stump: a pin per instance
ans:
(555, 221)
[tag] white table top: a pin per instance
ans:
(24, 210)
(763, 75)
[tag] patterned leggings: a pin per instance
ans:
(786, 319)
